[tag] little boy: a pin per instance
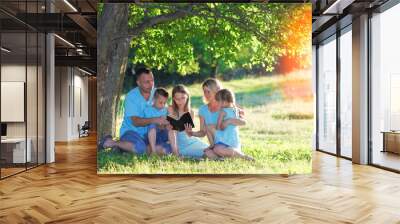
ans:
(160, 135)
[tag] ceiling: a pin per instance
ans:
(330, 15)
(74, 22)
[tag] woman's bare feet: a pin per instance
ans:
(210, 154)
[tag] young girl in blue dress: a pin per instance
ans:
(227, 140)
(188, 146)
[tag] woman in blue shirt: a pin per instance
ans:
(208, 114)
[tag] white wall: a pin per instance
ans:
(71, 94)
(16, 73)
(80, 109)
(12, 73)
(61, 103)
(35, 122)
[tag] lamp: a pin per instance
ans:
(84, 71)
(5, 50)
(70, 5)
(64, 40)
(337, 7)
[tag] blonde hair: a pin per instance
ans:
(225, 95)
(180, 89)
(213, 84)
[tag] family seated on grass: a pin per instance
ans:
(146, 130)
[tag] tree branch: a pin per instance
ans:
(179, 13)
(241, 23)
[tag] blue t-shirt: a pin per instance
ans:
(135, 105)
(151, 112)
(210, 118)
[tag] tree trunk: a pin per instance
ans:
(113, 43)
(112, 58)
(214, 70)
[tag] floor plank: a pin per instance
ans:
(70, 191)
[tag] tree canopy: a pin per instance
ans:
(218, 35)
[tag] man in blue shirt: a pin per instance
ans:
(133, 130)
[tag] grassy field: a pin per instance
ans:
(277, 135)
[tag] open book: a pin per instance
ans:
(179, 124)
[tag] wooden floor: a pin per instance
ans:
(387, 159)
(69, 191)
(10, 171)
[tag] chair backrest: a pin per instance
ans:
(86, 125)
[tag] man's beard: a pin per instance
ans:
(146, 90)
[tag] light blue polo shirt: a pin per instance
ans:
(210, 118)
(135, 105)
(151, 112)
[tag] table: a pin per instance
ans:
(391, 141)
(16, 147)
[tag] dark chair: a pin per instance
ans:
(84, 130)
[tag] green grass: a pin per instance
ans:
(277, 135)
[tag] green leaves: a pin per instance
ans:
(212, 34)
